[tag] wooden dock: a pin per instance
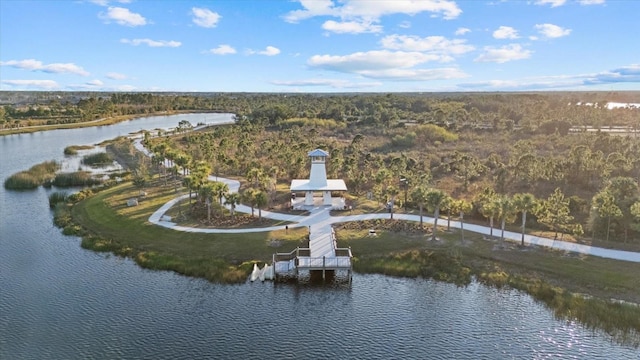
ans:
(322, 256)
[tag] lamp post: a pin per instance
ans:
(404, 182)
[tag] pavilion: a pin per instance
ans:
(318, 182)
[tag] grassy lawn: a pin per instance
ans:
(126, 231)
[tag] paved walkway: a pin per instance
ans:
(319, 220)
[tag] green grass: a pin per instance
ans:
(156, 247)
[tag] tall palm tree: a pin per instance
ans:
(462, 207)
(419, 195)
(524, 202)
(232, 200)
(435, 200)
(220, 190)
(392, 191)
(206, 194)
(505, 212)
(260, 200)
(248, 196)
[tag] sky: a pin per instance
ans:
(319, 45)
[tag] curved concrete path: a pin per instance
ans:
(320, 217)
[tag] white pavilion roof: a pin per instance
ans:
(330, 185)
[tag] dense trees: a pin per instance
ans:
(484, 147)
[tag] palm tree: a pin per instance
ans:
(221, 190)
(189, 183)
(462, 206)
(392, 191)
(206, 193)
(524, 202)
(435, 199)
(232, 200)
(260, 200)
(505, 212)
(254, 175)
(490, 210)
(248, 196)
(419, 195)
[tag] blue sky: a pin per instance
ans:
(319, 45)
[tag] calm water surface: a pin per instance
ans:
(58, 301)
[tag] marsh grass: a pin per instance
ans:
(32, 178)
(78, 178)
(97, 159)
(73, 149)
(57, 197)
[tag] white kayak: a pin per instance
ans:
(255, 274)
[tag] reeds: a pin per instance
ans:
(98, 159)
(57, 197)
(78, 178)
(32, 178)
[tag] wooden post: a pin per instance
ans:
(323, 268)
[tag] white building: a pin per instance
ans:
(318, 181)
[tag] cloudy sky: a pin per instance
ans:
(320, 45)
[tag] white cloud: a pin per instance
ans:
(372, 10)
(434, 44)
(116, 76)
(506, 32)
(30, 84)
(591, 2)
(462, 31)
(55, 68)
(416, 74)
(405, 24)
(333, 83)
(151, 43)
(385, 64)
(123, 16)
(625, 74)
(371, 60)
(268, 51)
(552, 31)
(553, 3)
(94, 83)
(223, 49)
(351, 27)
(106, 2)
(205, 17)
(503, 54)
